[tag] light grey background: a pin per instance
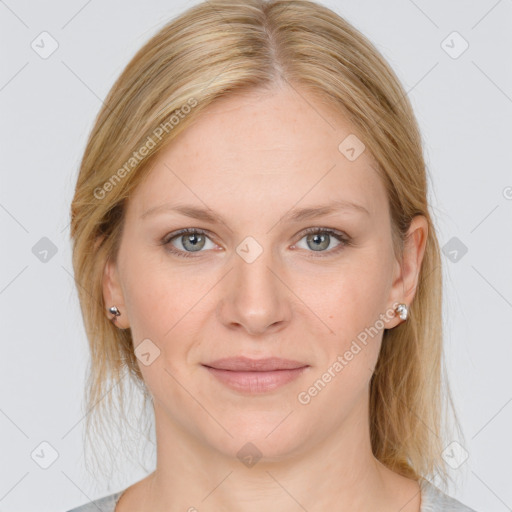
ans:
(464, 108)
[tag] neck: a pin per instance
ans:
(337, 472)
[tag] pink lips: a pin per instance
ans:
(255, 375)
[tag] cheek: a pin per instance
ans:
(158, 307)
(350, 302)
(153, 295)
(351, 306)
(165, 306)
(352, 297)
(148, 302)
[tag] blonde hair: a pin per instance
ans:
(218, 48)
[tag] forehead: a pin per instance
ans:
(261, 150)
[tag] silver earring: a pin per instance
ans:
(402, 311)
(114, 311)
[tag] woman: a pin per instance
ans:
(252, 241)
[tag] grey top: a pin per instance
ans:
(432, 500)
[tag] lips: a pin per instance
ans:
(246, 364)
(255, 376)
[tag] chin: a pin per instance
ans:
(272, 436)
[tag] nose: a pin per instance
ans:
(254, 297)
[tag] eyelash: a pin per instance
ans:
(345, 240)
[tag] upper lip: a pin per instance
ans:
(246, 364)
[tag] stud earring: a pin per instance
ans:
(402, 311)
(114, 311)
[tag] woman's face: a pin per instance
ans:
(257, 284)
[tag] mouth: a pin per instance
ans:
(254, 376)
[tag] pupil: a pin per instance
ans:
(319, 241)
(193, 241)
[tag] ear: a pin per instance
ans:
(113, 294)
(407, 273)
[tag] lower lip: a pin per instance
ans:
(255, 382)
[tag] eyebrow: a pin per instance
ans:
(294, 215)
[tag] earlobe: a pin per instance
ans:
(113, 296)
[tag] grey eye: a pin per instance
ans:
(193, 242)
(190, 242)
(320, 241)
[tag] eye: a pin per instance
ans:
(320, 240)
(187, 241)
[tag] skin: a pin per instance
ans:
(252, 158)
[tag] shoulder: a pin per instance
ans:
(434, 500)
(105, 504)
